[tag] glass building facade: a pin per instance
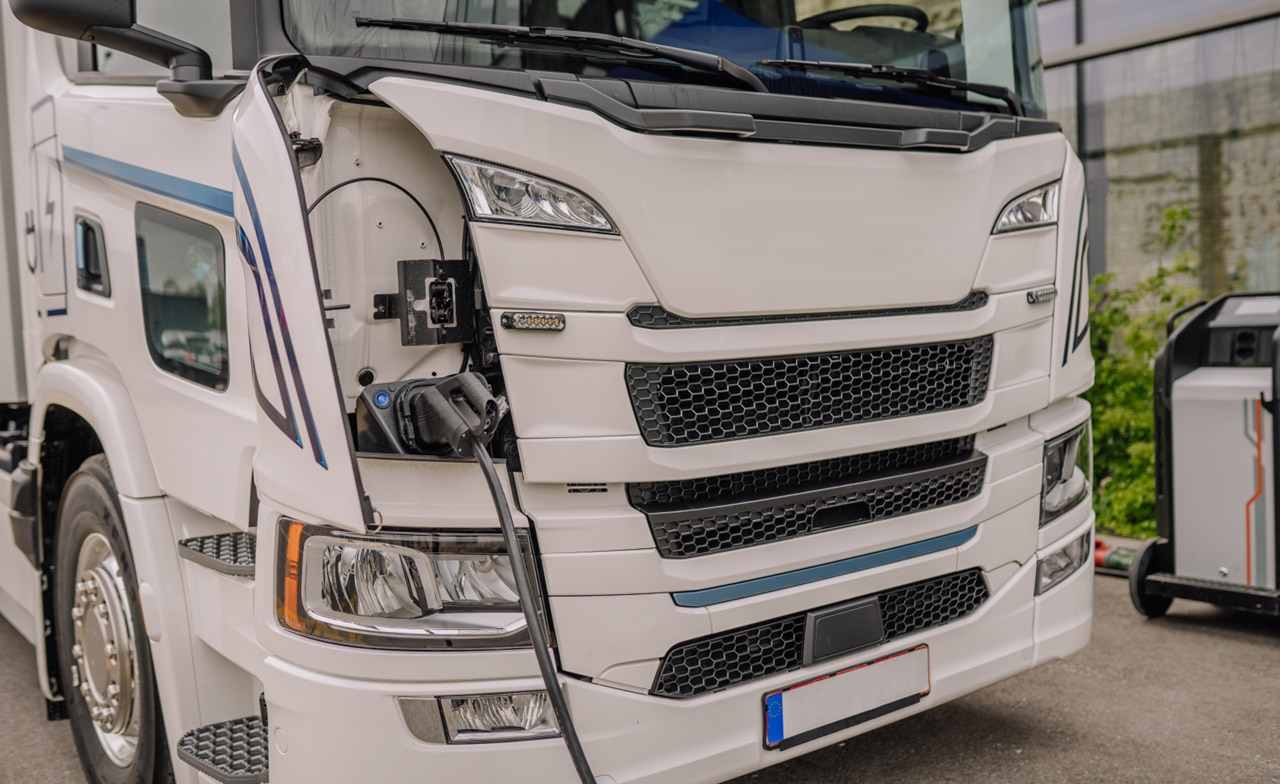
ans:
(1174, 106)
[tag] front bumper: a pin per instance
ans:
(331, 728)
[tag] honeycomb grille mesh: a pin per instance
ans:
(696, 536)
(793, 477)
(719, 401)
(724, 660)
(719, 662)
(658, 317)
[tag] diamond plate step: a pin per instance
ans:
(233, 752)
(227, 553)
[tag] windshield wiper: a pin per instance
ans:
(917, 76)
(576, 39)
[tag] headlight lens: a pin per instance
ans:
(1068, 472)
(496, 193)
(1061, 564)
(1037, 208)
(399, 590)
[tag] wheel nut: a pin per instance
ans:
(112, 690)
(77, 651)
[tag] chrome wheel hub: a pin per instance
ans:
(105, 668)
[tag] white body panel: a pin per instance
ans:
(1225, 499)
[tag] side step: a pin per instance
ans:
(227, 553)
(233, 752)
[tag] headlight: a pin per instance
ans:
(1061, 564)
(1037, 208)
(399, 590)
(495, 193)
(1068, 472)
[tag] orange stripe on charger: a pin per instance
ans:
(1248, 507)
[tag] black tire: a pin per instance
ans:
(1143, 602)
(96, 603)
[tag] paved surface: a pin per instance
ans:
(1193, 697)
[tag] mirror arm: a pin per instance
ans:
(187, 63)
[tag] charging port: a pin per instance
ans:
(440, 301)
(436, 302)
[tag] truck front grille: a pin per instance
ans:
(706, 402)
(714, 514)
(729, 658)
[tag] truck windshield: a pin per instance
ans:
(794, 47)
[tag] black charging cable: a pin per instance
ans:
(525, 588)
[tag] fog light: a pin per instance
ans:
(489, 718)
(1061, 564)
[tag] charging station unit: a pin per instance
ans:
(1217, 448)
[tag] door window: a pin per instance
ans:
(183, 272)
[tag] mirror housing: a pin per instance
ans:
(114, 24)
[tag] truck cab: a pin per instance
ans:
(771, 316)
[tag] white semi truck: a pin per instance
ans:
(590, 390)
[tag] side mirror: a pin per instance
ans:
(113, 23)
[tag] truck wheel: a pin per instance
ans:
(1143, 602)
(103, 650)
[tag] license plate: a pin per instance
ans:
(820, 706)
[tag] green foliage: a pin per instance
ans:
(1127, 331)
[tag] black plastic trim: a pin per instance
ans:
(658, 317)
(657, 107)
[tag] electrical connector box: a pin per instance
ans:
(437, 302)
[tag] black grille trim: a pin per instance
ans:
(717, 514)
(706, 402)
(718, 661)
(658, 317)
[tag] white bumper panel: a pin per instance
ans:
(636, 738)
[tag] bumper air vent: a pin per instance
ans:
(730, 658)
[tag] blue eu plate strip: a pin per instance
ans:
(195, 193)
(773, 731)
(812, 574)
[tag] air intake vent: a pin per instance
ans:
(723, 660)
(714, 514)
(720, 401)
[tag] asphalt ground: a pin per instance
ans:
(1193, 697)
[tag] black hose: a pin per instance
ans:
(540, 648)
(393, 184)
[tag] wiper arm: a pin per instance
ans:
(576, 39)
(917, 76)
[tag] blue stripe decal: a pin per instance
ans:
(57, 312)
(812, 574)
(194, 193)
(773, 729)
